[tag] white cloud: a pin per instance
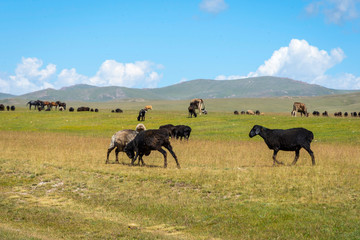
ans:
(30, 68)
(213, 6)
(4, 86)
(335, 11)
(341, 81)
(138, 74)
(29, 76)
(68, 77)
(301, 61)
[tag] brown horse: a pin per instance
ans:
(53, 104)
(46, 103)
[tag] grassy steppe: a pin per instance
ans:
(54, 183)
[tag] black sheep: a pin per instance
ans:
(169, 128)
(147, 141)
(182, 131)
(287, 140)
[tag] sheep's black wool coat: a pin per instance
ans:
(280, 139)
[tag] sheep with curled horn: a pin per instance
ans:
(121, 138)
(287, 140)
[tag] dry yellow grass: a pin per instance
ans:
(56, 172)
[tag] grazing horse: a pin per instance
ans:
(61, 104)
(53, 104)
(46, 103)
(33, 103)
(198, 103)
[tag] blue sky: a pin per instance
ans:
(159, 43)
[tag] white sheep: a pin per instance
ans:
(121, 138)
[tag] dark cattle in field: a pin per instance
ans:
(147, 141)
(353, 114)
(2, 107)
(118, 110)
(236, 112)
(96, 110)
(338, 114)
(287, 140)
(299, 107)
(316, 113)
(346, 114)
(257, 112)
(191, 110)
(325, 114)
(243, 112)
(83, 109)
(71, 109)
(12, 108)
(141, 116)
(182, 131)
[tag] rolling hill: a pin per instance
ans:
(258, 87)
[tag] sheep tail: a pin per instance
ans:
(112, 143)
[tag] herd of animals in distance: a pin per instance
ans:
(139, 142)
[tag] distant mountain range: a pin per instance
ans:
(201, 88)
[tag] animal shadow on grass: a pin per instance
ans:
(138, 165)
(265, 166)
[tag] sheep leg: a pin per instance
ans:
(297, 153)
(274, 158)
(117, 154)
(163, 153)
(133, 160)
(168, 147)
(142, 161)
(307, 148)
(108, 153)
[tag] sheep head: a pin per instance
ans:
(129, 150)
(140, 127)
(255, 130)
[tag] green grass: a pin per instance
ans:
(214, 126)
(54, 183)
